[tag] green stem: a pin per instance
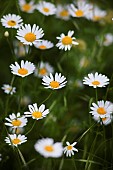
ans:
(46, 98)
(31, 128)
(96, 94)
(74, 163)
(22, 158)
(21, 93)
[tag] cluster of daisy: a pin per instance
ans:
(102, 110)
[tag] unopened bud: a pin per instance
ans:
(6, 34)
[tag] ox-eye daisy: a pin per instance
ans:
(35, 112)
(66, 41)
(22, 70)
(96, 80)
(81, 10)
(16, 121)
(43, 69)
(8, 89)
(11, 21)
(29, 35)
(102, 109)
(69, 149)
(62, 12)
(54, 83)
(46, 8)
(27, 7)
(15, 139)
(48, 148)
(103, 121)
(44, 44)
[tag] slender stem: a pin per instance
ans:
(74, 163)
(108, 86)
(46, 98)
(31, 128)
(96, 94)
(21, 93)
(22, 158)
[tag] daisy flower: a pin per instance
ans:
(81, 10)
(29, 35)
(104, 121)
(54, 83)
(44, 44)
(27, 7)
(69, 149)
(108, 39)
(16, 121)
(35, 112)
(46, 8)
(66, 41)
(47, 148)
(96, 80)
(43, 69)
(11, 21)
(96, 14)
(102, 109)
(18, 130)
(16, 139)
(8, 89)
(22, 70)
(62, 12)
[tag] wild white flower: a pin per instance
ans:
(62, 12)
(11, 21)
(101, 109)
(16, 120)
(47, 148)
(46, 8)
(44, 45)
(96, 80)
(35, 112)
(80, 10)
(69, 149)
(8, 89)
(54, 83)
(103, 121)
(22, 70)
(29, 35)
(16, 139)
(27, 7)
(66, 41)
(43, 69)
(18, 130)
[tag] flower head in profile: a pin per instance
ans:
(29, 35)
(16, 139)
(8, 89)
(26, 68)
(80, 10)
(43, 69)
(35, 112)
(27, 7)
(103, 121)
(96, 80)
(11, 21)
(107, 39)
(46, 8)
(62, 12)
(66, 41)
(54, 83)
(69, 149)
(16, 120)
(47, 148)
(44, 45)
(101, 109)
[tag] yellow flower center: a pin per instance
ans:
(26, 7)
(67, 40)
(79, 13)
(42, 47)
(46, 9)
(42, 71)
(69, 147)
(11, 23)
(16, 122)
(96, 83)
(49, 148)
(37, 114)
(64, 13)
(30, 37)
(96, 18)
(54, 84)
(22, 71)
(16, 141)
(101, 111)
